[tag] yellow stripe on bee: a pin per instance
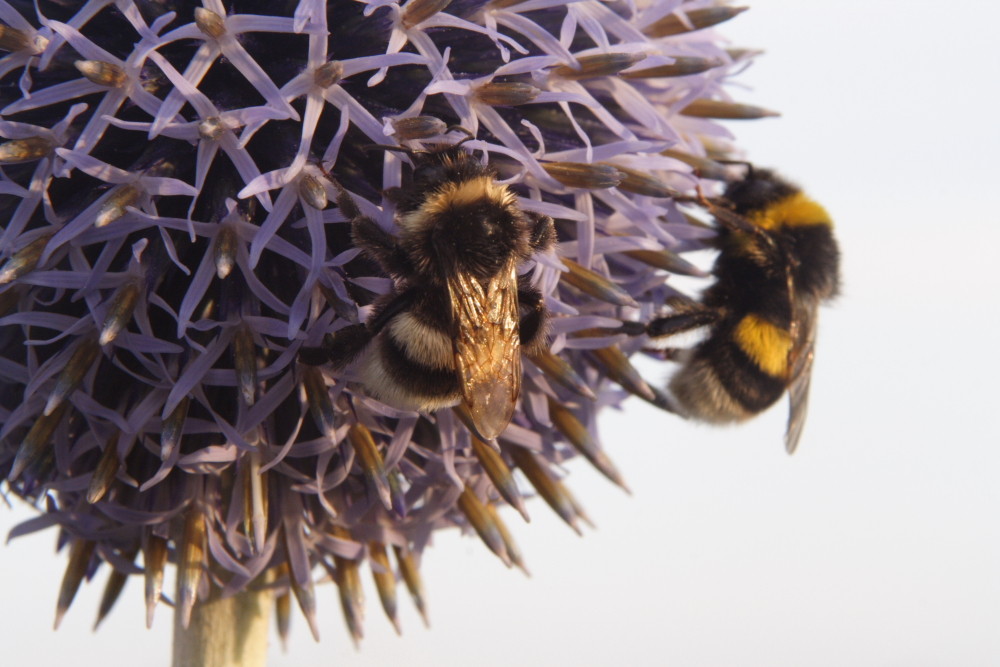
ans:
(766, 345)
(796, 210)
(468, 192)
(458, 194)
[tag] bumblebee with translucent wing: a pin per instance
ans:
(778, 261)
(453, 327)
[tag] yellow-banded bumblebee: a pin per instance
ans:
(453, 326)
(778, 260)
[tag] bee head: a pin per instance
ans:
(758, 190)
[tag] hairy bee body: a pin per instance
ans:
(778, 261)
(452, 328)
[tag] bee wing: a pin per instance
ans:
(487, 347)
(800, 363)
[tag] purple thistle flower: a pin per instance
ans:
(169, 246)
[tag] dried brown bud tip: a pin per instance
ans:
(211, 128)
(371, 461)
(173, 427)
(550, 489)
(12, 39)
(696, 19)
(583, 441)
(601, 64)
(102, 73)
(411, 577)
(417, 11)
(154, 559)
(385, 581)
(418, 127)
(72, 374)
(209, 22)
(666, 260)
(721, 109)
(641, 183)
(190, 563)
(506, 94)
(305, 596)
(24, 260)
(513, 551)
(283, 616)
(25, 150)
(37, 443)
(80, 552)
(115, 205)
(245, 362)
(704, 167)
(475, 511)
(119, 312)
(312, 192)
(115, 585)
(584, 175)
(352, 599)
(559, 370)
(682, 66)
(498, 472)
(318, 398)
(104, 473)
(328, 74)
(225, 251)
(617, 367)
(592, 283)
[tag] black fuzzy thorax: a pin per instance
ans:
(477, 238)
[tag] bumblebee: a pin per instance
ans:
(454, 324)
(778, 261)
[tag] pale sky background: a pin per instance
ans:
(877, 544)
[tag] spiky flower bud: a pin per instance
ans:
(170, 245)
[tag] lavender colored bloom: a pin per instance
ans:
(169, 246)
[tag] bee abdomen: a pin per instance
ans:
(737, 373)
(412, 366)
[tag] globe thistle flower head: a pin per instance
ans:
(170, 247)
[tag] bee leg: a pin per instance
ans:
(534, 316)
(379, 244)
(543, 232)
(344, 345)
(682, 321)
